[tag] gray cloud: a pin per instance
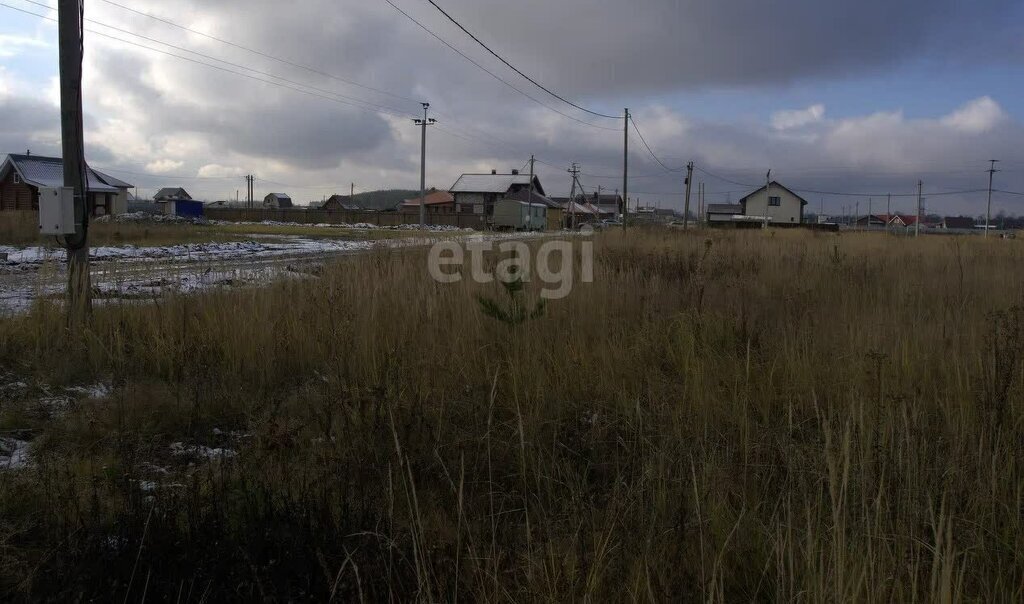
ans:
(148, 109)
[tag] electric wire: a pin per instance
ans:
(494, 75)
(516, 69)
(261, 53)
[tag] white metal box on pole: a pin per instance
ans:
(57, 211)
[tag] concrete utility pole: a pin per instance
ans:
(888, 209)
(529, 197)
(988, 213)
(768, 196)
(423, 163)
(870, 201)
(351, 190)
(71, 43)
(686, 205)
(575, 171)
(856, 215)
(917, 223)
(625, 170)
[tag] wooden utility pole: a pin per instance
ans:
(625, 170)
(71, 44)
(988, 212)
(917, 223)
(423, 163)
(249, 188)
(888, 210)
(686, 205)
(768, 196)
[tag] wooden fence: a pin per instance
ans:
(304, 216)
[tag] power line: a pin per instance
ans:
(648, 147)
(261, 53)
(494, 75)
(393, 111)
(517, 70)
(724, 179)
(298, 87)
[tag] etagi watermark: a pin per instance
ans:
(553, 263)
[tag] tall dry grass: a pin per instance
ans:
(718, 417)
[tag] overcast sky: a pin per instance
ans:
(840, 96)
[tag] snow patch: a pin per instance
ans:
(202, 451)
(14, 454)
(95, 391)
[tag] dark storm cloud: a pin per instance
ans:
(609, 48)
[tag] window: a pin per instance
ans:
(775, 201)
(17, 178)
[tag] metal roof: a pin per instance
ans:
(576, 208)
(40, 171)
(279, 195)
(492, 183)
(538, 199)
(724, 208)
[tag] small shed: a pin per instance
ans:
(520, 215)
(555, 211)
(189, 208)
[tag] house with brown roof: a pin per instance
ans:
(436, 201)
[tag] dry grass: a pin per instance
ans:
(721, 417)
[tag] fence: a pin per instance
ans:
(304, 216)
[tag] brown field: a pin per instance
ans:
(727, 416)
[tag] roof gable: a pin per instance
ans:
(171, 193)
(774, 183)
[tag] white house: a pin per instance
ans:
(780, 205)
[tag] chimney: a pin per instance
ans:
(493, 172)
(515, 172)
